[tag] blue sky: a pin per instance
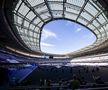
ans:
(63, 36)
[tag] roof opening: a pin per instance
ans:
(64, 36)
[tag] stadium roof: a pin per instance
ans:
(31, 15)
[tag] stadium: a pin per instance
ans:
(26, 64)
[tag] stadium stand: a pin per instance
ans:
(23, 66)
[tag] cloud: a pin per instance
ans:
(46, 34)
(78, 30)
(68, 23)
(91, 36)
(46, 44)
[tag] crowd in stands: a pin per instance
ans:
(71, 77)
(62, 77)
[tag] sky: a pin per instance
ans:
(64, 36)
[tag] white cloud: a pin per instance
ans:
(78, 30)
(91, 36)
(46, 44)
(46, 34)
(68, 22)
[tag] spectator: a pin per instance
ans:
(93, 70)
(60, 82)
(83, 80)
(97, 69)
(45, 82)
(99, 80)
(74, 84)
(79, 71)
(48, 82)
(41, 82)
